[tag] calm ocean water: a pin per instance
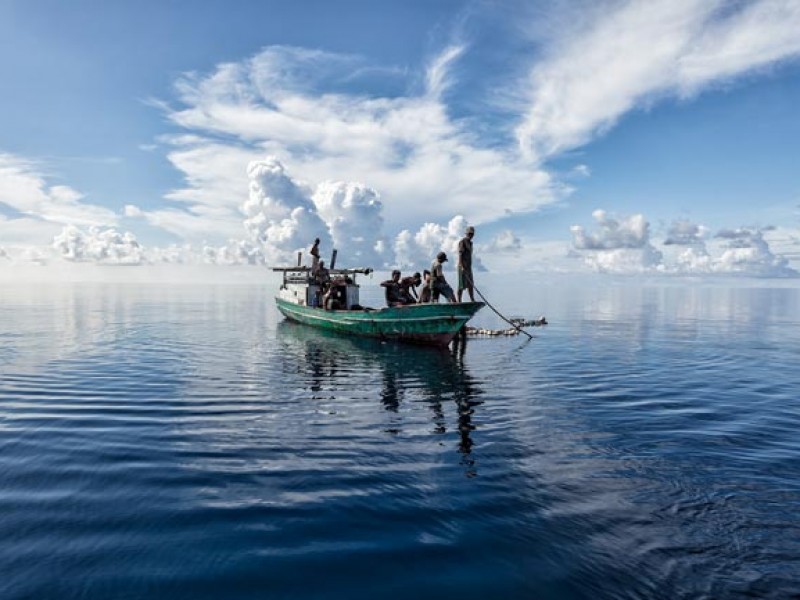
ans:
(186, 442)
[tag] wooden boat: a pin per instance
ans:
(299, 299)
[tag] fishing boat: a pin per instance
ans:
(300, 299)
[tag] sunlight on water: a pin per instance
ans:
(185, 441)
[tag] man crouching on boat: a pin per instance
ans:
(408, 288)
(392, 288)
(401, 292)
(439, 284)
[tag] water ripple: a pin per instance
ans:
(185, 442)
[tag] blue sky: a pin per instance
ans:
(614, 136)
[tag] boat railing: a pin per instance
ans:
(302, 274)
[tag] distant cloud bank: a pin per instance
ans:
(623, 245)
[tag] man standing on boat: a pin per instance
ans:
(314, 258)
(425, 293)
(439, 284)
(465, 264)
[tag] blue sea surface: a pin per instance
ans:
(184, 441)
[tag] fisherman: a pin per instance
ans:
(336, 296)
(314, 252)
(439, 284)
(393, 293)
(323, 275)
(465, 265)
(408, 288)
(322, 278)
(425, 292)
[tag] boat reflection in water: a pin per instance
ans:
(349, 371)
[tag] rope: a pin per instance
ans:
(497, 312)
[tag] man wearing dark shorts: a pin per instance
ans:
(465, 264)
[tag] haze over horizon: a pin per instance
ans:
(578, 137)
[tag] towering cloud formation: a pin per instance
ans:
(284, 216)
(352, 212)
(280, 214)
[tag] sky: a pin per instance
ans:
(609, 136)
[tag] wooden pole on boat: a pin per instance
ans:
(299, 258)
(333, 260)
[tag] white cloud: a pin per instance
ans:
(747, 252)
(103, 246)
(613, 57)
(238, 252)
(25, 190)
(107, 246)
(417, 250)
(628, 232)
(743, 251)
(504, 242)
(291, 103)
(619, 245)
(623, 246)
(21, 231)
(581, 171)
(132, 211)
(626, 260)
(280, 215)
(352, 212)
(685, 233)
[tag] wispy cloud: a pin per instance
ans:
(24, 189)
(290, 103)
(614, 57)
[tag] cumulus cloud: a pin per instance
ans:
(420, 248)
(627, 232)
(619, 245)
(284, 215)
(742, 251)
(353, 214)
(685, 233)
(279, 214)
(623, 246)
(614, 57)
(105, 246)
(235, 252)
(747, 252)
(505, 241)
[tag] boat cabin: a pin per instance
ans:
(304, 289)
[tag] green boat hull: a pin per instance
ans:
(433, 324)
